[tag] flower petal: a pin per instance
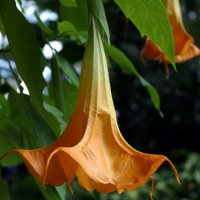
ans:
(106, 162)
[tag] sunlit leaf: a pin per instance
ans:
(24, 48)
(151, 20)
(20, 5)
(61, 190)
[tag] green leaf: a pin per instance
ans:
(24, 48)
(127, 67)
(20, 4)
(10, 138)
(43, 26)
(4, 189)
(10, 135)
(70, 96)
(37, 127)
(81, 193)
(64, 92)
(22, 128)
(68, 29)
(150, 17)
(24, 115)
(77, 16)
(20, 121)
(69, 3)
(27, 55)
(57, 114)
(69, 87)
(61, 190)
(1, 26)
(4, 106)
(49, 192)
(68, 70)
(57, 89)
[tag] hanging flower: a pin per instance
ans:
(92, 147)
(183, 42)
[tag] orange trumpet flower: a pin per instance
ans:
(183, 42)
(92, 147)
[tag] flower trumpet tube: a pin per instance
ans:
(105, 162)
(183, 41)
(92, 147)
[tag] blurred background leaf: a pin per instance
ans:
(29, 60)
(69, 3)
(4, 189)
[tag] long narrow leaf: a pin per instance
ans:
(127, 66)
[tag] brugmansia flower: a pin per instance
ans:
(183, 42)
(92, 147)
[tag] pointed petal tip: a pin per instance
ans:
(174, 171)
(151, 188)
(120, 190)
(5, 155)
(19, 151)
(43, 185)
(70, 189)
